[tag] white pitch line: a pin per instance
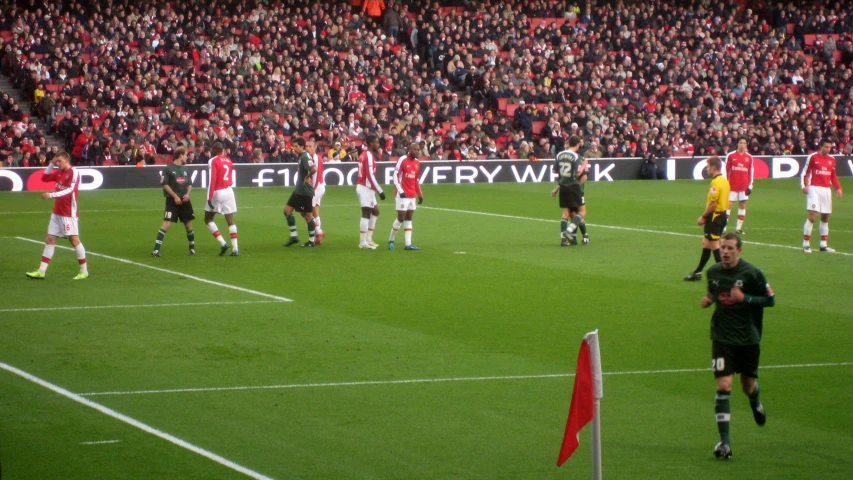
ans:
(153, 210)
(437, 380)
(136, 423)
(191, 277)
(614, 227)
(101, 442)
(152, 305)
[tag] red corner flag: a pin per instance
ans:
(587, 388)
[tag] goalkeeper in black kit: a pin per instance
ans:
(740, 292)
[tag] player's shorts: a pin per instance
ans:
(715, 225)
(60, 226)
(300, 203)
(730, 359)
(319, 191)
(178, 213)
(223, 202)
(571, 197)
(405, 204)
(819, 199)
(366, 196)
(738, 196)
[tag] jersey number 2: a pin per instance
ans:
(227, 173)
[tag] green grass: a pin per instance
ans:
(488, 296)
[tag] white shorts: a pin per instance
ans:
(738, 197)
(405, 204)
(819, 199)
(318, 195)
(62, 226)
(223, 202)
(366, 196)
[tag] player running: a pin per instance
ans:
(220, 198)
(407, 186)
(740, 171)
(63, 220)
(367, 187)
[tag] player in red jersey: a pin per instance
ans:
(220, 198)
(367, 187)
(817, 176)
(407, 187)
(63, 220)
(319, 189)
(740, 171)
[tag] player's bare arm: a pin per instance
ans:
(710, 208)
(178, 200)
(706, 301)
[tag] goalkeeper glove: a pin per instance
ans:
(420, 200)
(382, 195)
(210, 204)
(749, 191)
(402, 194)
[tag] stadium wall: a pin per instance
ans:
(432, 172)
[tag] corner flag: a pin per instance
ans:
(585, 403)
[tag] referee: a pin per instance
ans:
(714, 217)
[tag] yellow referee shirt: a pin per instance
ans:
(719, 193)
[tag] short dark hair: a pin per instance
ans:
(216, 148)
(824, 140)
(574, 141)
(733, 236)
(299, 141)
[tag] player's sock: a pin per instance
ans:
(362, 230)
(723, 411)
(576, 222)
(46, 255)
(371, 225)
(232, 229)
(81, 258)
(395, 227)
(741, 216)
(583, 228)
(717, 256)
(291, 224)
(807, 232)
(407, 232)
(703, 260)
(161, 234)
(317, 226)
(823, 228)
(214, 230)
(564, 225)
(191, 239)
(312, 230)
(753, 398)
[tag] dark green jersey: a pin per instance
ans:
(737, 323)
(303, 169)
(177, 178)
(568, 165)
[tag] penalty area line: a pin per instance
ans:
(172, 272)
(616, 227)
(152, 305)
(442, 380)
(135, 423)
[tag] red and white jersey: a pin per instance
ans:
(740, 171)
(819, 171)
(318, 177)
(406, 177)
(65, 191)
(221, 174)
(367, 171)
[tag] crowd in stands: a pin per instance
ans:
(127, 82)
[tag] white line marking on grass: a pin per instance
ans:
(153, 210)
(439, 380)
(102, 442)
(152, 305)
(135, 423)
(191, 277)
(615, 227)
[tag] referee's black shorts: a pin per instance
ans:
(571, 197)
(715, 224)
(178, 213)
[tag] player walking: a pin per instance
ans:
(177, 185)
(301, 198)
(572, 169)
(63, 220)
(319, 190)
(367, 187)
(740, 171)
(220, 198)
(407, 186)
(817, 175)
(740, 292)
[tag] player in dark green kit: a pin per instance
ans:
(740, 293)
(303, 195)
(177, 185)
(571, 167)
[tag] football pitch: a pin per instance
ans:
(453, 362)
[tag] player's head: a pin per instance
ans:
(414, 150)
(311, 145)
(62, 160)
(741, 144)
(713, 165)
(372, 142)
(217, 148)
(298, 145)
(179, 156)
(730, 247)
(574, 141)
(825, 145)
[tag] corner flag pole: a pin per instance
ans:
(595, 357)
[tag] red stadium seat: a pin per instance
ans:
(789, 28)
(510, 109)
(537, 127)
(502, 103)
